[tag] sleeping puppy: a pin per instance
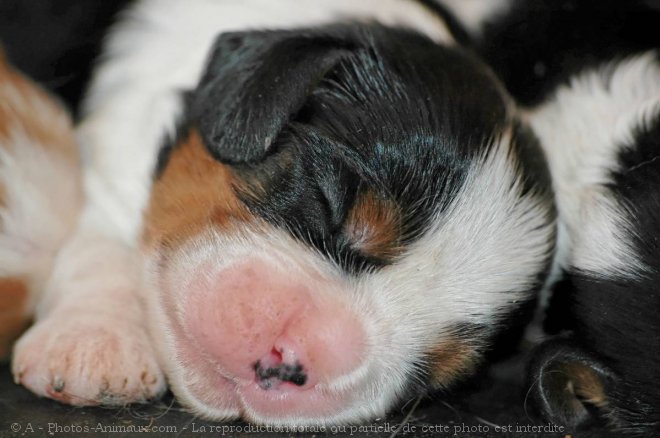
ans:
(312, 221)
(607, 180)
(593, 91)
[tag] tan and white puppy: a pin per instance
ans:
(40, 195)
(297, 213)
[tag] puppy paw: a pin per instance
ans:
(84, 359)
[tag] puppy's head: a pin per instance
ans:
(346, 217)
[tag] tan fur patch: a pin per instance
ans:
(374, 226)
(452, 359)
(14, 298)
(194, 191)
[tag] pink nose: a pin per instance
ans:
(283, 331)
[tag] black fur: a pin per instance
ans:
(254, 83)
(55, 42)
(539, 44)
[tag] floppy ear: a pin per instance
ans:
(254, 83)
(569, 385)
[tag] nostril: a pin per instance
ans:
(294, 374)
(270, 377)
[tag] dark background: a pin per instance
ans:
(56, 43)
(495, 397)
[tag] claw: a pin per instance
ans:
(58, 384)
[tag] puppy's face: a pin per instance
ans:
(345, 218)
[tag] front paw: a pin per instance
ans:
(81, 359)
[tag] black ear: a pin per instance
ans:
(253, 84)
(569, 385)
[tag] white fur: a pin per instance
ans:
(473, 14)
(582, 130)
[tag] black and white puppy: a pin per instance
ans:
(607, 180)
(345, 209)
(590, 73)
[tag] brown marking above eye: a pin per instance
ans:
(193, 191)
(452, 359)
(374, 226)
(14, 320)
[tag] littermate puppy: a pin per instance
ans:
(295, 213)
(40, 195)
(601, 133)
(593, 92)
